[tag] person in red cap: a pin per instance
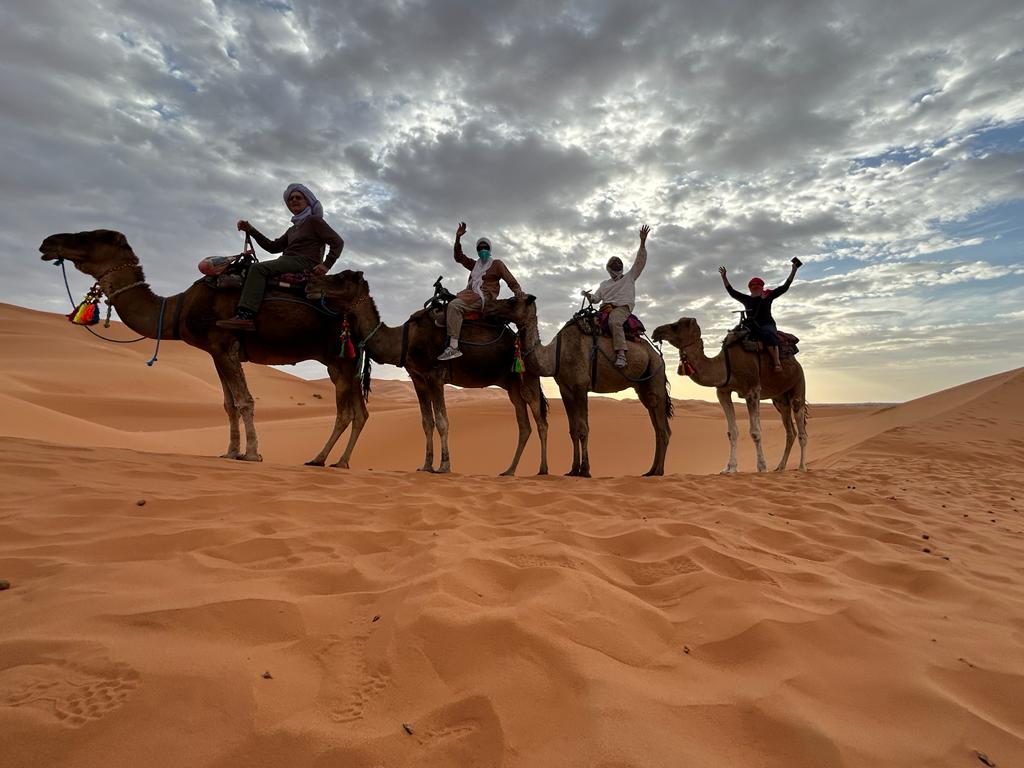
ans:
(759, 307)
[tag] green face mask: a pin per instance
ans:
(484, 255)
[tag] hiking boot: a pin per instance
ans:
(620, 359)
(237, 323)
(450, 354)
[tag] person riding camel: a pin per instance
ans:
(617, 295)
(759, 308)
(485, 272)
(301, 248)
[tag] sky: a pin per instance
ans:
(881, 143)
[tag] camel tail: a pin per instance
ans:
(366, 378)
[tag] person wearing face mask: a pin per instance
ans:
(485, 274)
(759, 308)
(301, 248)
(617, 295)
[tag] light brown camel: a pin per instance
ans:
(488, 352)
(579, 367)
(287, 331)
(750, 375)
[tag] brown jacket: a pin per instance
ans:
(304, 241)
(491, 285)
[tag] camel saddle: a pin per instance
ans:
(437, 307)
(233, 277)
(592, 322)
(745, 338)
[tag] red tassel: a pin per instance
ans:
(87, 312)
(348, 349)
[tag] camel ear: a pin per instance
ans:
(359, 276)
(530, 298)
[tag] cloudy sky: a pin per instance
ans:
(882, 143)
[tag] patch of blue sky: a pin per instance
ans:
(127, 39)
(1001, 138)
(166, 113)
(1001, 228)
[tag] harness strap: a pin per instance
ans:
(405, 344)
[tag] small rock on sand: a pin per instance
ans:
(140, 503)
(4, 584)
(267, 675)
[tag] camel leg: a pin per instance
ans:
(234, 434)
(754, 413)
(234, 378)
(515, 394)
(441, 421)
(427, 418)
(569, 401)
(342, 417)
(800, 406)
(655, 403)
(784, 407)
(540, 418)
(725, 400)
(583, 433)
(348, 388)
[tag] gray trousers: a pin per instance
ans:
(256, 280)
(456, 309)
(616, 318)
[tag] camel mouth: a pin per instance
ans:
(52, 249)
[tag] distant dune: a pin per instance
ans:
(168, 608)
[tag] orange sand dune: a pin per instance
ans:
(866, 613)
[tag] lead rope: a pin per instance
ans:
(163, 301)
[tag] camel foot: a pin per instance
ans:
(231, 455)
(250, 457)
(542, 471)
(762, 468)
(444, 469)
(315, 463)
(654, 473)
(584, 473)
(508, 473)
(573, 473)
(339, 464)
(803, 468)
(426, 468)
(728, 471)
(780, 468)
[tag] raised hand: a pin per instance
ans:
(722, 272)
(243, 225)
(461, 230)
(644, 232)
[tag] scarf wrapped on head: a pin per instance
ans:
(476, 277)
(313, 209)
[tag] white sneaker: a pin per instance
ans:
(450, 354)
(620, 360)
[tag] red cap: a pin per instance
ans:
(755, 281)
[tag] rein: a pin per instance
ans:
(67, 287)
(728, 364)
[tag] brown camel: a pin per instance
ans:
(578, 367)
(287, 331)
(486, 361)
(750, 375)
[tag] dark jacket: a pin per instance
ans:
(304, 241)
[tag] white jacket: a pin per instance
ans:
(622, 292)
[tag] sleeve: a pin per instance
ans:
(740, 297)
(333, 239)
(595, 295)
(776, 292)
(510, 281)
(270, 246)
(640, 263)
(461, 258)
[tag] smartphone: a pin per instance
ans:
(796, 262)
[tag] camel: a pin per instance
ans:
(486, 361)
(288, 330)
(750, 375)
(578, 368)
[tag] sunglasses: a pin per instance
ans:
(300, 198)
(483, 247)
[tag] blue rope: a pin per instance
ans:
(159, 332)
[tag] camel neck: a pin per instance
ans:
(385, 345)
(136, 304)
(540, 358)
(708, 371)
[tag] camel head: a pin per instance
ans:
(680, 334)
(93, 253)
(344, 288)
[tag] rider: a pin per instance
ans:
(619, 293)
(301, 248)
(483, 286)
(759, 307)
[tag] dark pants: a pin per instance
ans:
(256, 280)
(768, 334)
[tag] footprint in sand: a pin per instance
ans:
(357, 684)
(82, 687)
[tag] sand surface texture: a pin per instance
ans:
(867, 613)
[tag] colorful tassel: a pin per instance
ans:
(518, 366)
(88, 311)
(348, 349)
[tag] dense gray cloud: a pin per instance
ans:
(874, 140)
